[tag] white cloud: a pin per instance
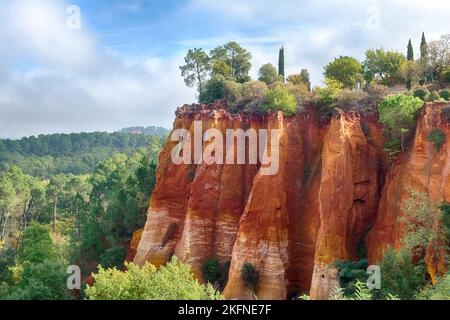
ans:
(75, 84)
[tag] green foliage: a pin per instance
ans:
(173, 281)
(410, 54)
(351, 272)
(76, 153)
(113, 257)
(399, 275)
(281, 72)
(41, 281)
(37, 245)
(434, 96)
(302, 78)
(236, 58)
(438, 292)
(214, 90)
(398, 114)
(423, 221)
(445, 209)
(250, 275)
(268, 74)
(196, 68)
(422, 93)
(327, 96)
(279, 99)
(445, 94)
(344, 70)
(384, 65)
(215, 273)
(437, 137)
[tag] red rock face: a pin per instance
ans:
(423, 169)
(333, 192)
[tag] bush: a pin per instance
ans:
(253, 89)
(232, 92)
(211, 270)
(438, 292)
(300, 91)
(437, 137)
(279, 99)
(434, 96)
(400, 276)
(398, 115)
(445, 94)
(268, 74)
(214, 90)
(174, 281)
(325, 97)
(113, 257)
(350, 272)
(215, 273)
(350, 100)
(250, 275)
(421, 93)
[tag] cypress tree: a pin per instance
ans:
(281, 63)
(410, 54)
(423, 47)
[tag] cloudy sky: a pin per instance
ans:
(121, 67)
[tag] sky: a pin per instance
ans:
(117, 66)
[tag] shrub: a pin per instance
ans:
(300, 91)
(215, 273)
(350, 272)
(434, 96)
(211, 270)
(113, 257)
(400, 276)
(350, 100)
(438, 292)
(327, 96)
(214, 90)
(232, 92)
(437, 137)
(398, 114)
(445, 94)
(254, 89)
(250, 275)
(173, 281)
(445, 209)
(421, 93)
(279, 99)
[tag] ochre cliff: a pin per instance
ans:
(335, 191)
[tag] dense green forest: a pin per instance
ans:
(76, 153)
(70, 200)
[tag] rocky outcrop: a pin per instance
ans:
(335, 191)
(423, 169)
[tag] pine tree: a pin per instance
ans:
(281, 64)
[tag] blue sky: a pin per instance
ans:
(121, 68)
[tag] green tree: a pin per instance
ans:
(344, 70)
(250, 275)
(438, 292)
(268, 74)
(279, 99)
(236, 57)
(398, 114)
(196, 68)
(399, 275)
(304, 75)
(281, 72)
(439, 57)
(214, 90)
(174, 281)
(409, 57)
(383, 64)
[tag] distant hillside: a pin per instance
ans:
(148, 131)
(76, 153)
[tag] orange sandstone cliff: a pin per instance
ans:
(334, 191)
